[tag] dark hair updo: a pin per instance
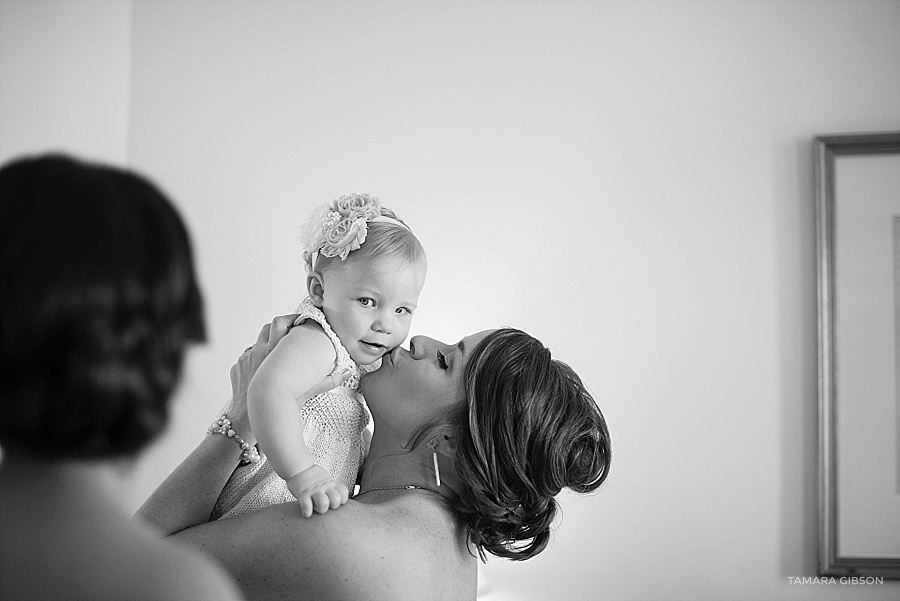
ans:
(528, 429)
(99, 301)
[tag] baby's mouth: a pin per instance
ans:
(378, 348)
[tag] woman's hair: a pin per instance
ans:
(527, 429)
(383, 239)
(99, 300)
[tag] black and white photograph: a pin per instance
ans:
(494, 300)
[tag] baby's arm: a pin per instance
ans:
(303, 358)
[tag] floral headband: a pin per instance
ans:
(339, 227)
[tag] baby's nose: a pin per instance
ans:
(381, 324)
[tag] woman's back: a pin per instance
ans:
(391, 545)
(66, 536)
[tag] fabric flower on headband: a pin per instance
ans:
(339, 227)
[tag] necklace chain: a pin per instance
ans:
(406, 487)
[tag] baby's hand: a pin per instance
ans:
(316, 490)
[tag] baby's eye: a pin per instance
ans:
(402, 311)
(442, 360)
(366, 302)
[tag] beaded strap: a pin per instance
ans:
(222, 425)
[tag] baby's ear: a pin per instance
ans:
(315, 287)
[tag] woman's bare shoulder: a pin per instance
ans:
(120, 561)
(432, 557)
(407, 547)
(168, 571)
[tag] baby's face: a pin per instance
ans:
(369, 304)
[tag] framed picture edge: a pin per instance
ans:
(827, 148)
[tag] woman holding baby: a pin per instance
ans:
(472, 442)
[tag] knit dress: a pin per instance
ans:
(335, 435)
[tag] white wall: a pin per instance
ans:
(629, 181)
(64, 78)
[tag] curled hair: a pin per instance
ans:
(99, 301)
(528, 429)
(383, 239)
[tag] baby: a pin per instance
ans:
(365, 272)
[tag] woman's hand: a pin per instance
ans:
(188, 495)
(247, 364)
(243, 370)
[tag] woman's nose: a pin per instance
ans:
(421, 346)
(416, 346)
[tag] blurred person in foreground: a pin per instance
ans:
(99, 304)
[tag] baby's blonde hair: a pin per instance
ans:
(383, 239)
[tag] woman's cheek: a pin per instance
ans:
(407, 387)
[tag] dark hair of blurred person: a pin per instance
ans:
(99, 302)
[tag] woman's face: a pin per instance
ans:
(414, 386)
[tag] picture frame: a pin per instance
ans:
(857, 195)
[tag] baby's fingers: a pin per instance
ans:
(306, 505)
(321, 501)
(337, 495)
